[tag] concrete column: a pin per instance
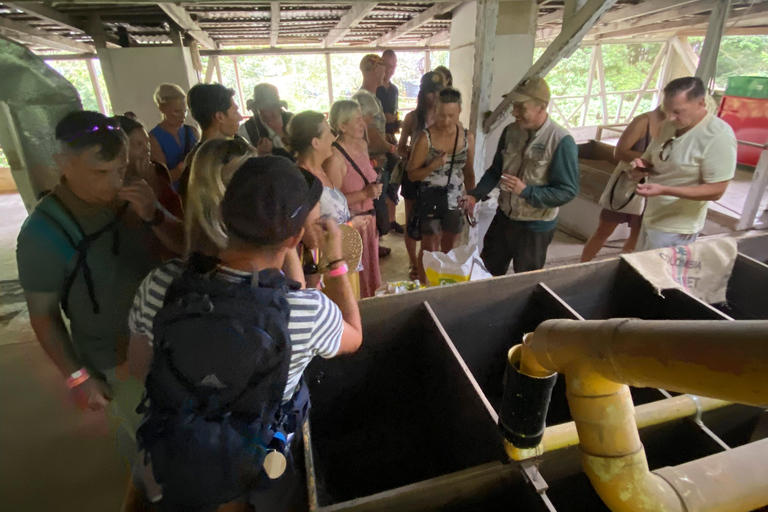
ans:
(515, 38)
(133, 74)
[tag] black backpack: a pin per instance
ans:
(215, 387)
(59, 215)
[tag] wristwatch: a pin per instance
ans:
(157, 219)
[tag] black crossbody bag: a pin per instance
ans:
(382, 221)
(431, 202)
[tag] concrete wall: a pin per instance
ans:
(132, 74)
(515, 38)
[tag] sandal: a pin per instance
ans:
(384, 251)
(413, 272)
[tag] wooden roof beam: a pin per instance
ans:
(274, 22)
(627, 13)
(182, 18)
(416, 22)
(26, 34)
(355, 15)
(555, 16)
(756, 12)
(48, 14)
(441, 37)
(51, 15)
(661, 17)
(644, 9)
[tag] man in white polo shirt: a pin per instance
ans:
(692, 160)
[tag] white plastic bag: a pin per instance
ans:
(460, 265)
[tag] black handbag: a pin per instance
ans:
(381, 213)
(431, 202)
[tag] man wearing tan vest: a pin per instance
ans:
(537, 169)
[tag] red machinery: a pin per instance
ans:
(745, 107)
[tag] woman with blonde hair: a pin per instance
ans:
(171, 140)
(311, 139)
(359, 182)
(212, 168)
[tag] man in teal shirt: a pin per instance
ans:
(84, 250)
(537, 169)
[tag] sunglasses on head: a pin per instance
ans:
(95, 129)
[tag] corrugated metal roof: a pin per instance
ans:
(238, 24)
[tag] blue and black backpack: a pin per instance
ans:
(214, 390)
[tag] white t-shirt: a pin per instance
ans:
(704, 154)
(315, 323)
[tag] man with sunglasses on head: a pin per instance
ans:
(536, 166)
(84, 250)
(689, 163)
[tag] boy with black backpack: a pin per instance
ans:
(231, 338)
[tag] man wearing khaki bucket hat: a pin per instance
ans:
(536, 167)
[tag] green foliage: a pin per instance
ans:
(626, 68)
(76, 72)
(739, 56)
(303, 83)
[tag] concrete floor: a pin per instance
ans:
(54, 457)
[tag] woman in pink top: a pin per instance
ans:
(359, 183)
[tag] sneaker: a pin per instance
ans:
(397, 228)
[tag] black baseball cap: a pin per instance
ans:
(432, 81)
(268, 200)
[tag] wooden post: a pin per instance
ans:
(96, 86)
(601, 74)
(618, 112)
(482, 78)
(209, 70)
(427, 62)
(218, 69)
(329, 74)
(177, 38)
(647, 81)
(239, 84)
(755, 194)
(708, 63)
(686, 53)
(572, 7)
(664, 74)
(96, 31)
(590, 78)
(274, 21)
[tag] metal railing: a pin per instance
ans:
(756, 188)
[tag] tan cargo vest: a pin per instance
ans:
(530, 164)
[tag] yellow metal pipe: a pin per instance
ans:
(726, 360)
(564, 435)
(720, 359)
(739, 472)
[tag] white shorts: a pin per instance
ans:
(654, 239)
